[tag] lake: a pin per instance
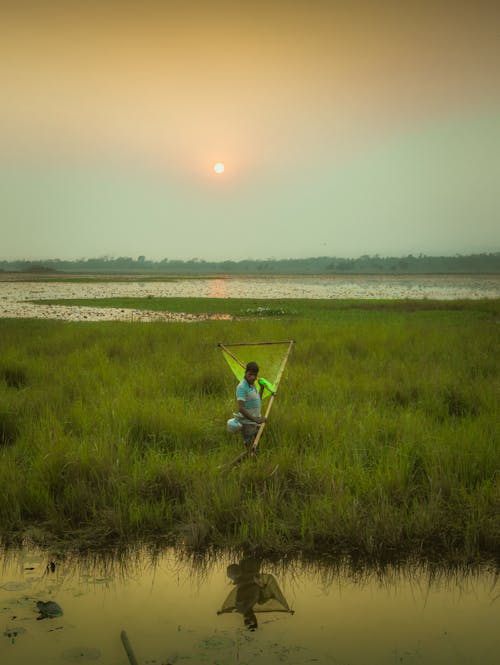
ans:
(15, 296)
(169, 609)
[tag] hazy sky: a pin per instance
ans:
(345, 128)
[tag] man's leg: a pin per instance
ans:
(249, 432)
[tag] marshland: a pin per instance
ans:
(382, 444)
(180, 175)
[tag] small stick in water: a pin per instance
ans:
(128, 648)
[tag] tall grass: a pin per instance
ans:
(383, 441)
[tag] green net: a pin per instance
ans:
(269, 358)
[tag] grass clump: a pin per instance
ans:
(8, 428)
(382, 442)
(14, 376)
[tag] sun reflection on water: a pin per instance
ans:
(218, 288)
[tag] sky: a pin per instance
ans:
(345, 129)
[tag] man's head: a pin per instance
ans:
(251, 371)
(234, 572)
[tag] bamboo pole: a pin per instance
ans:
(223, 347)
(285, 341)
(128, 648)
(255, 443)
(235, 461)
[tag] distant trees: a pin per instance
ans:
(467, 264)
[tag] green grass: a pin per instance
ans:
(385, 432)
(288, 307)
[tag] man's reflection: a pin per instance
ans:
(253, 592)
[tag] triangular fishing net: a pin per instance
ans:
(270, 597)
(269, 356)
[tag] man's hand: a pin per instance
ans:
(265, 384)
(260, 420)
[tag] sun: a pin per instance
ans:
(219, 168)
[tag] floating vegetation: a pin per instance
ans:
(48, 609)
(13, 632)
(216, 642)
(268, 311)
(16, 586)
(81, 654)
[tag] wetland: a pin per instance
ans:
(384, 434)
(372, 504)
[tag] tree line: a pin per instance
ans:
(486, 263)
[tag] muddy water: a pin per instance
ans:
(169, 611)
(15, 296)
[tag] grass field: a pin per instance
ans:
(384, 434)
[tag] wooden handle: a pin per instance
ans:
(128, 648)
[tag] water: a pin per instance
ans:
(168, 609)
(15, 296)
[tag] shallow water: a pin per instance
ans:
(168, 609)
(14, 296)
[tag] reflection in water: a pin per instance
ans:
(166, 601)
(217, 288)
(253, 592)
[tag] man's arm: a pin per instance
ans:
(244, 412)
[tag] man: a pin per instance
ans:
(249, 401)
(253, 592)
(245, 576)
